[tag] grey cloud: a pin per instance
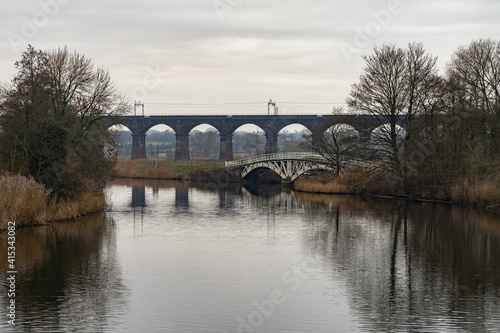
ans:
(259, 49)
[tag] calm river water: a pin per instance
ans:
(169, 257)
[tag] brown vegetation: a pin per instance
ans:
(26, 202)
(481, 191)
(171, 169)
(350, 181)
(166, 169)
(330, 185)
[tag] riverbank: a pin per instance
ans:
(479, 192)
(195, 170)
(28, 203)
(165, 169)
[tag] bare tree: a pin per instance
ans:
(382, 91)
(336, 144)
(395, 87)
(477, 70)
(473, 149)
(422, 83)
(80, 89)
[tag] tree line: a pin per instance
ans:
(438, 133)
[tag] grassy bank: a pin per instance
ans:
(176, 170)
(28, 203)
(482, 191)
(166, 169)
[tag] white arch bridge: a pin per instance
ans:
(288, 165)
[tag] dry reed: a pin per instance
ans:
(350, 181)
(482, 192)
(321, 185)
(26, 202)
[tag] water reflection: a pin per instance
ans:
(408, 267)
(138, 196)
(418, 268)
(256, 194)
(202, 255)
(182, 196)
(69, 279)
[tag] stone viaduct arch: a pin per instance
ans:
(226, 125)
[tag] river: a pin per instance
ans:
(212, 258)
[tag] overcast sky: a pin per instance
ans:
(172, 53)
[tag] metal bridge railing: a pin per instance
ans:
(305, 156)
(276, 157)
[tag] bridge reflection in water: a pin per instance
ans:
(406, 267)
(197, 265)
(274, 196)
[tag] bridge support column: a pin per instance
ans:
(226, 147)
(271, 143)
(182, 147)
(138, 146)
(365, 135)
(286, 182)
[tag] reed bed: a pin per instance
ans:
(321, 185)
(350, 181)
(482, 192)
(26, 202)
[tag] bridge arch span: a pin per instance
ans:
(204, 122)
(161, 125)
(117, 128)
(288, 166)
(249, 138)
(121, 133)
(248, 126)
(380, 134)
(305, 126)
(297, 170)
(344, 128)
(204, 142)
(290, 138)
(163, 137)
(341, 130)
